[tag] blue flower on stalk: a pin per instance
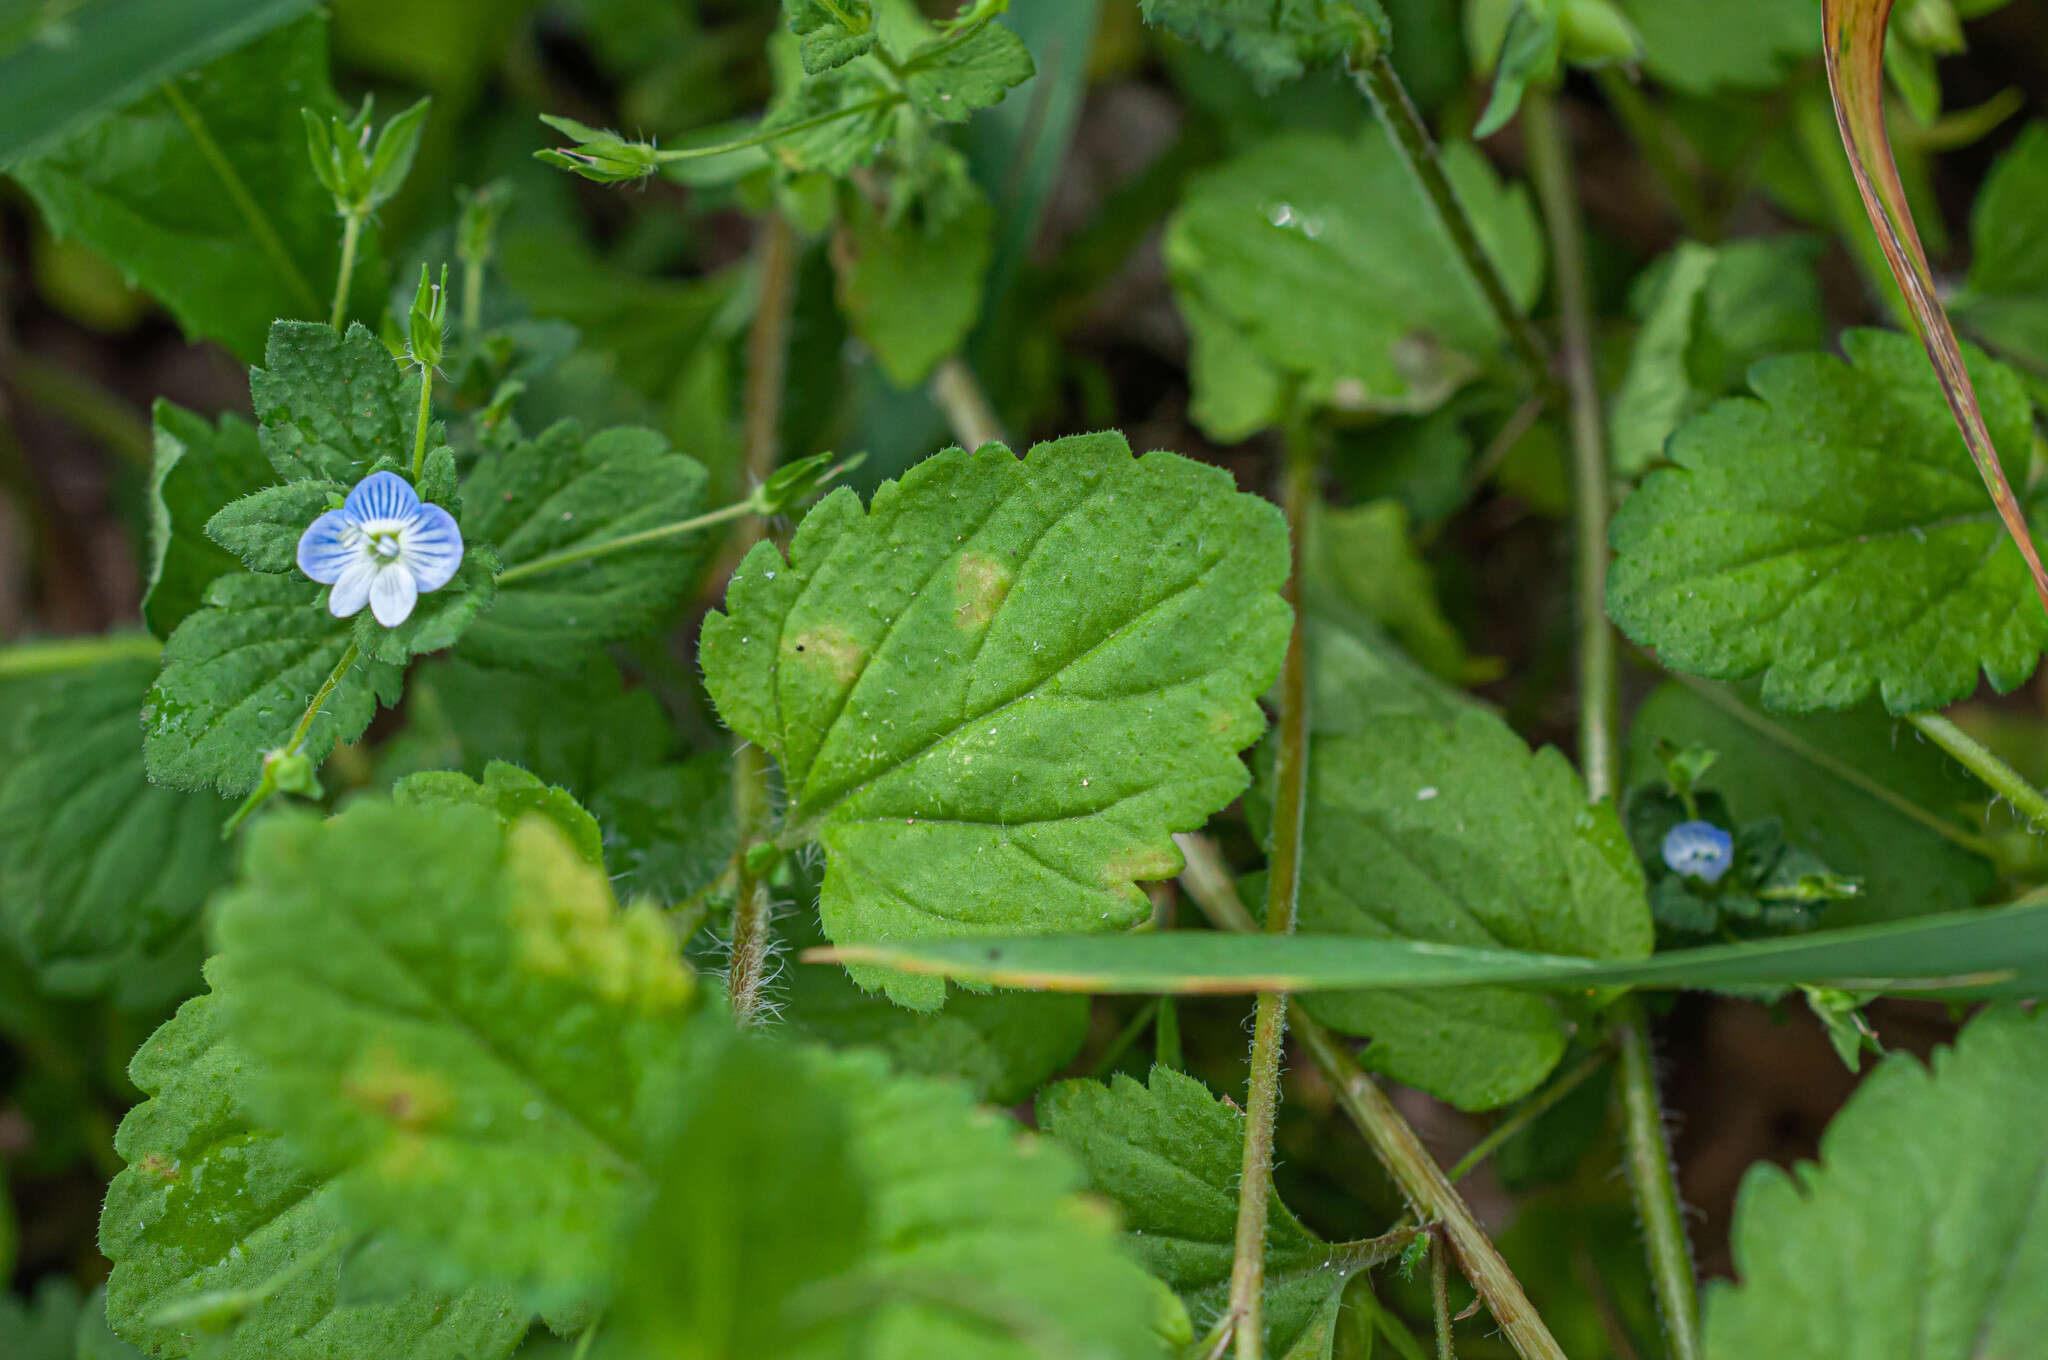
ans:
(384, 548)
(1699, 850)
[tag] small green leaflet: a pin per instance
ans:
(1169, 1155)
(1315, 259)
(1921, 1232)
(201, 192)
(511, 793)
(217, 1226)
(579, 728)
(238, 676)
(814, 1204)
(830, 32)
(1457, 833)
(1365, 555)
(2004, 302)
(997, 691)
(488, 1104)
(199, 468)
(1834, 536)
(565, 493)
(971, 68)
(1854, 788)
(95, 863)
(1277, 40)
(1708, 313)
(912, 289)
(2001, 952)
(332, 406)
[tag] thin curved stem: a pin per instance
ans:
(767, 135)
(1655, 1185)
(1979, 760)
(587, 551)
(1283, 882)
(959, 395)
(266, 786)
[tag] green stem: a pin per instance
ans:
(266, 787)
(1978, 759)
(1530, 1112)
(1655, 1186)
(746, 978)
(1389, 98)
(472, 300)
(1649, 1157)
(769, 134)
(587, 551)
(1653, 136)
(245, 202)
(1779, 735)
(419, 434)
(1440, 1297)
(351, 229)
(955, 391)
(1283, 882)
(70, 654)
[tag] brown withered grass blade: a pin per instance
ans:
(1852, 36)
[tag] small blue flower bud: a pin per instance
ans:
(1699, 850)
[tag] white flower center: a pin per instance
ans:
(384, 545)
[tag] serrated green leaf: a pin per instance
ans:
(563, 494)
(1921, 1231)
(40, 1327)
(950, 77)
(440, 618)
(262, 529)
(1170, 1156)
(1833, 535)
(1324, 264)
(201, 192)
(902, 1221)
(1456, 833)
(95, 863)
(94, 1338)
(1276, 42)
(912, 290)
(1852, 818)
(836, 145)
(830, 34)
(511, 793)
(581, 728)
(214, 1206)
(238, 676)
(2004, 301)
(996, 692)
(59, 68)
(1711, 45)
(332, 405)
(198, 469)
(489, 1103)
(1711, 312)
(668, 829)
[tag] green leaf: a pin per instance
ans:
(579, 728)
(40, 1327)
(563, 495)
(668, 829)
(440, 618)
(888, 1217)
(238, 676)
(1738, 44)
(1869, 799)
(995, 693)
(1276, 42)
(1366, 557)
(1529, 51)
(1708, 313)
(865, 103)
(1833, 535)
(1456, 833)
(60, 67)
(511, 793)
(911, 290)
(200, 193)
(332, 405)
(199, 468)
(490, 1102)
(1317, 259)
(830, 34)
(1858, 1254)
(1990, 953)
(950, 77)
(1170, 1156)
(217, 1219)
(262, 529)
(95, 863)
(2004, 302)
(95, 1338)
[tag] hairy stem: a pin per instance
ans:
(419, 434)
(955, 391)
(351, 229)
(69, 654)
(1440, 1297)
(1978, 759)
(1411, 137)
(1655, 1186)
(587, 551)
(766, 135)
(1649, 1157)
(1428, 1191)
(1283, 882)
(752, 928)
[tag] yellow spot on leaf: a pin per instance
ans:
(828, 649)
(569, 925)
(979, 585)
(385, 1087)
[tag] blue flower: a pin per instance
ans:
(383, 548)
(1699, 850)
